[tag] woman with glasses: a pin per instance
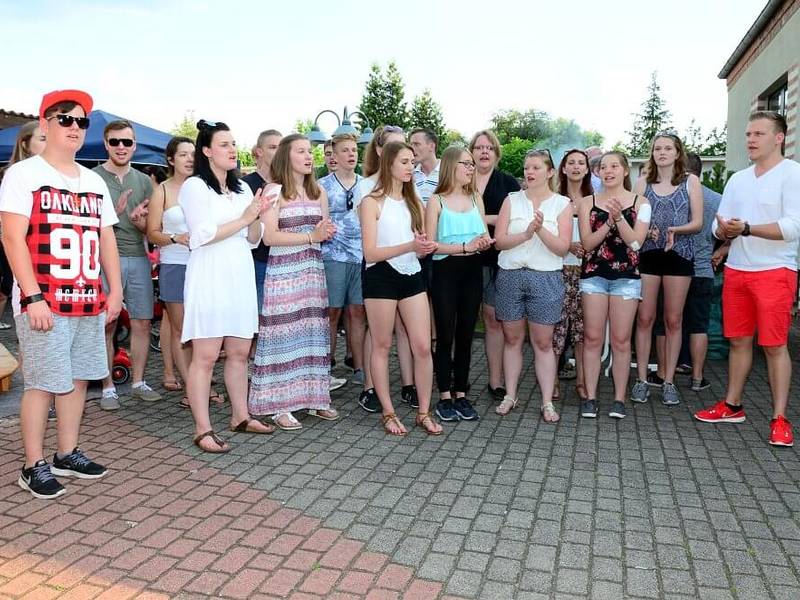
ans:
(454, 219)
(667, 258)
(368, 400)
(291, 368)
(613, 225)
(493, 186)
(222, 220)
(533, 234)
(575, 183)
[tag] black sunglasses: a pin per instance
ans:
(349, 199)
(127, 142)
(68, 120)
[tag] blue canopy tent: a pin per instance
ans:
(150, 143)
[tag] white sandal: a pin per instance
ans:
(293, 425)
(549, 413)
(329, 414)
(506, 405)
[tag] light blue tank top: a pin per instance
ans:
(456, 227)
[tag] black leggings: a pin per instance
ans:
(6, 276)
(456, 298)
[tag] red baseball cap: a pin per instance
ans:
(82, 99)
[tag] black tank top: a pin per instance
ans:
(612, 259)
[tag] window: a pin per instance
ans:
(775, 96)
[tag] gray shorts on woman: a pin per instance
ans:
(74, 349)
(536, 296)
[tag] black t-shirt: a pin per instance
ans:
(255, 181)
(498, 187)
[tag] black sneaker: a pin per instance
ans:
(683, 369)
(75, 464)
(446, 411)
(348, 362)
(39, 481)
(463, 408)
(617, 410)
(409, 395)
(653, 380)
(589, 408)
(698, 385)
(368, 400)
(498, 393)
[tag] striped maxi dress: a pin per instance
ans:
(291, 368)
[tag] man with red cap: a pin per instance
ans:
(57, 219)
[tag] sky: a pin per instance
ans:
(258, 65)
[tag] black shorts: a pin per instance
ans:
(658, 262)
(696, 311)
(426, 263)
(382, 281)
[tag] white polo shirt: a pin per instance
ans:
(774, 197)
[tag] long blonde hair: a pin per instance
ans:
(372, 161)
(390, 152)
(281, 170)
(447, 172)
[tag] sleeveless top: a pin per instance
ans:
(532, 253)
(173, 221)
(455, 227)
(612, 259)
(672, 210)
(394, 229)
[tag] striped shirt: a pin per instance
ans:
(426, 184)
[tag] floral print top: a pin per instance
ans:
(612, 259)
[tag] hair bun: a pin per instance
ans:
(201, 124)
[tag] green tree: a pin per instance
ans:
(653, 118)
(245, 157)
(529, 125)
(186, 127)
(513, 156)
(452, 137)
(427, 113)
(717, 178)
(383, 101)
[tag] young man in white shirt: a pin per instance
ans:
(760, 215)
(57, 219)
(426, 172)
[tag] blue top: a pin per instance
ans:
(672, 210)
(456, 227)
(345, 246)
(704, 239)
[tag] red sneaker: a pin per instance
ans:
(781, 432)
(720, 413)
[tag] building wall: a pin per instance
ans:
(774, 53)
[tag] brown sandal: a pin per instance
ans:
(388, 419)
(244, 427)
(217, 440)
(556, 391)
(580, 389)
(172, 385)
(422, 418)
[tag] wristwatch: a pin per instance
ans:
(172, 237)
(746, 230)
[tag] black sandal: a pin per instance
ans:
(217, 440)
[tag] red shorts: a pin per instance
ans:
(759, 300)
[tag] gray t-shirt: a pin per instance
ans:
(130, 241)
(704, 239)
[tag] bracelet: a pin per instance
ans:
(31, 299)
(310, 241)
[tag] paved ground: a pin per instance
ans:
(654, 506)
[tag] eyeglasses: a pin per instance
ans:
(483, 147)
(68, 120)
(127, 142)
(467, 164)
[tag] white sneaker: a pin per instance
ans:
(145, 392)
(109, 400)
(335, 383)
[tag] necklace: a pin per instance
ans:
(69, 182)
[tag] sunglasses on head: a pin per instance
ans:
(68, 120)
(127, 142)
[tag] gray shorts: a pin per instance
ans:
(489, 287)
(344, 283)
(137, 286)
(75, 349)
(170, 282)
(533, 295)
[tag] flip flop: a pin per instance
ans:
(216, 397)
(217, 440)
(293, 425)
(185, 402)
(172, 385)
(244, 427)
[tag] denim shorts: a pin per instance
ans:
(170, 282)
(629, 289)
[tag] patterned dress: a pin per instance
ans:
(292, 365)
